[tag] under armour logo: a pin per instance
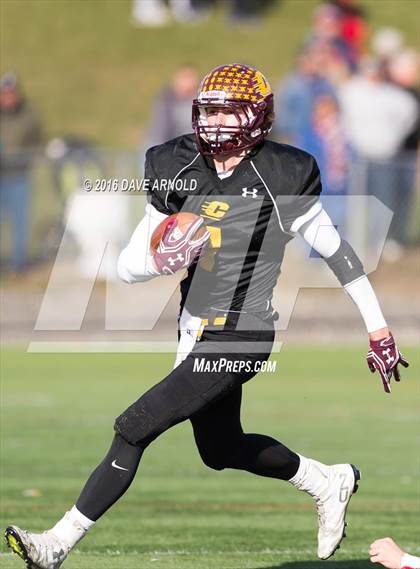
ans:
(348, 262)
(179, 257)
(252, 193)
(389, 358)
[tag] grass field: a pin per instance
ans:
(57, 421)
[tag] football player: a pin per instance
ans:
(254, 196)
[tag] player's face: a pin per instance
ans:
(223, 116)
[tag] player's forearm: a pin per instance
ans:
(349, 270)
(135, 264)
(410, 561)
(364, 297)
(321, 234)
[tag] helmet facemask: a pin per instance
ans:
(225, 139)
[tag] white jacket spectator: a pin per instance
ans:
(377, 116)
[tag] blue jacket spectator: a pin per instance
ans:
(20, 135)
(297, 94)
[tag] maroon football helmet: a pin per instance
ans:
(245, 92)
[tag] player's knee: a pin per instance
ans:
(214, 463)
(213, 460)
(132, 436)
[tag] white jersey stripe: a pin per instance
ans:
(179, 173)
(271, 196)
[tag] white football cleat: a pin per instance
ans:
(332, 505)
(331, 487)
(38, 550)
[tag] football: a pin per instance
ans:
(184, 221)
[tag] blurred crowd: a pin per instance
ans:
(158, 13)
(351, 99)
(358, 114)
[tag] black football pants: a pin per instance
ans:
(212, 402)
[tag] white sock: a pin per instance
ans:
(311, 477)
(301, 472)
(72, 527)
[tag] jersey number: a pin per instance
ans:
(207, 262)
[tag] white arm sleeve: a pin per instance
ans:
(410, 561)
(302, 219)
(321, 234)
(364, 297)
(134, 263)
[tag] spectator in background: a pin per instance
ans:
(248, 11)
(153, 13)
(403, 72)
(386, 43)
(157, 13)
(353, 26)
(327, 29)
(20, 135)
(325, 139)
(370, 105)
(378, 117)
(172, 115)
(298, 91)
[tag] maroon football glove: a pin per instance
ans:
(178, 250)
(385, 357)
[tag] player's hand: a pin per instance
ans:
(177, 250)
(386, 552)
(385, 357)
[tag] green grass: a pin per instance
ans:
(90, 72)
(57, 418)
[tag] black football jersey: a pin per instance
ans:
(249, 215)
